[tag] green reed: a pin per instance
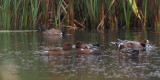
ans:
(19, 14)
(34, 12)
(29, 14)
(24, 19)
(5, 14)
(158, 4)
(126, 13)
(145, 11)
(58, 15)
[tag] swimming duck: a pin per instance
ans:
(50, 32)
(53, 32)
(83, 48)
(59, 50)
(131, 48)
(134, 45)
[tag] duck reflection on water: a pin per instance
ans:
(73, 63)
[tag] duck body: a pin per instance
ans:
(83, 48)
(132, 45)
(58, 50)
(52, 32)
(131, 48)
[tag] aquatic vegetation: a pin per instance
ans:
(19, 14)
(30, 14)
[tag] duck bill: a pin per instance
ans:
(147, 41)
(147, 44)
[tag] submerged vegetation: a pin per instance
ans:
(110, 14)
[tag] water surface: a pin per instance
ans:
(20, 59)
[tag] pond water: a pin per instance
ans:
(20, 59)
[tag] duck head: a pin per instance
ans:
(79, 44)
(42, 28)
(144, 43)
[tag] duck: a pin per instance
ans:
(82, 48)
(134, 45)
(65, 49)
(131, 48)
(50, 32)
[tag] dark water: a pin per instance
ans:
(20, 59)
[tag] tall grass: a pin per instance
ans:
(126, 12)
(19, 14)
(145, 11)
(5, 14)
(29, 14)
(34, 12)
